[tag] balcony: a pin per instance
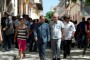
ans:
(38, 4)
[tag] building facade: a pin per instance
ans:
(75, 10)
(33, 8)
(36, 8)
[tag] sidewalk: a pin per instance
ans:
(76, 54)
(9, 55)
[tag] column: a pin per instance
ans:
(15, 7)
(21, 7)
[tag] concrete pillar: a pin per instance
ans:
(1, 7)
(15, 7)
(20, 7)
(27, 8)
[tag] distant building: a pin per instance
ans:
(60, 8)
(33, 8)
(36, 8)
(75, 10)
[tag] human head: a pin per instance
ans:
(6, 14)
(75, 22)
(27, 17)
(18, 16)
(88, 20)
(13, 18)
(34, 21)
(24, 16)
(83, 19)
(67, 18)
(42, 19)
(55, 17)
(21, 21)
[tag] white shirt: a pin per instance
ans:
(55, 29)
(69, 30)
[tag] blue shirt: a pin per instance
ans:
(42, 32)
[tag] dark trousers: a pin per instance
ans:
(7, 40)
(67, 47)
(4, 40)
(82, 41)
(33, 44)
(42, 48)
(16, 44)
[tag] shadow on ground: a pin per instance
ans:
(76, 54)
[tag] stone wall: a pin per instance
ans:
(1, 7)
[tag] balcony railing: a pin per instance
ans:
(38, 4)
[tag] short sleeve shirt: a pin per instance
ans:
(55, 29)
(69, 30)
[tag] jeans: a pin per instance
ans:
(55, 45)
(42, 48)
(7, 40)
(4, 41)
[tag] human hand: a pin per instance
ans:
(36, 39)
(4, 29)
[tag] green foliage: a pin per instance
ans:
(49, 15)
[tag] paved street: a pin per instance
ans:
(33, 23)
(76, 54)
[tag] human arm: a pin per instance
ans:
(35, 34)
(0, 36)
(62, 30)
(73, 31)
(27, 31)
(15, 34)
(48, 33)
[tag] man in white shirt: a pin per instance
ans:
(69, 31)
(56, 29)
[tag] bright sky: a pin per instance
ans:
(47, 4)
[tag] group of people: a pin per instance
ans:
(21, 30)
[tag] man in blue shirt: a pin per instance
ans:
(42, 36)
